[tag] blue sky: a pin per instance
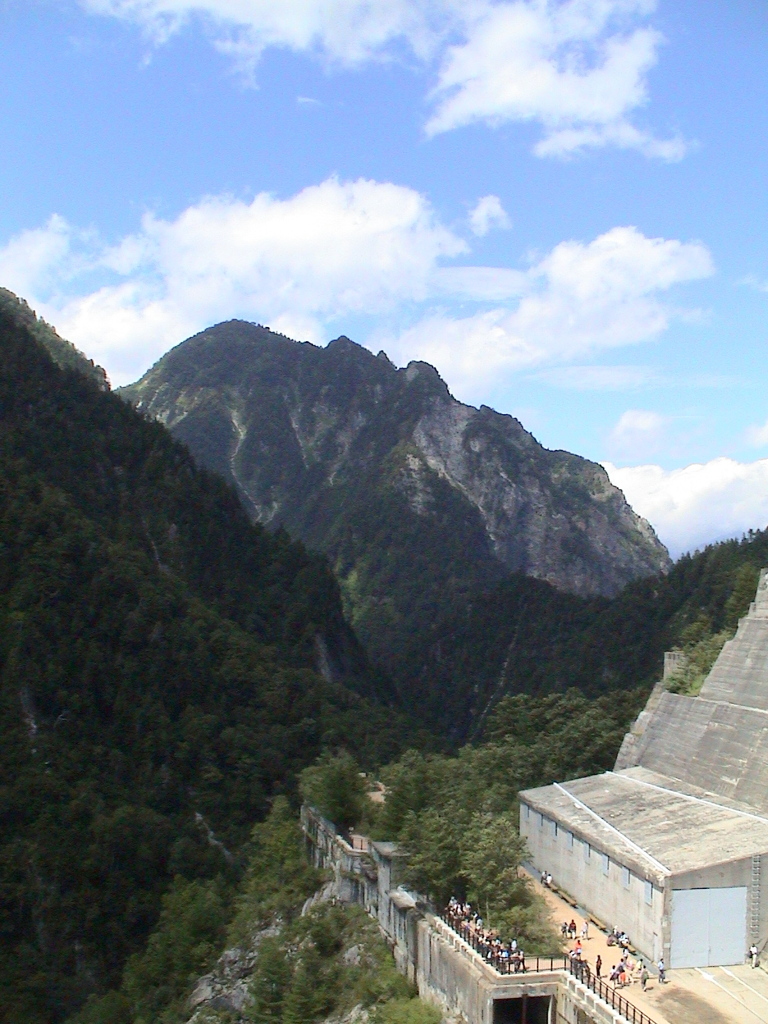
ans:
(562, 205)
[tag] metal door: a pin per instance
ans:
(728, 925)
(709, 926)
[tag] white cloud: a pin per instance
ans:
(482, 284)
(638, 421)
(698, 504)
(345, 31)
(27, 262)
(753, 281)
(757, 436)
(638, 433)
(578, 300)
(311, 263)
(333, 249)
(488, 213)
(578, 67)
(566, 141)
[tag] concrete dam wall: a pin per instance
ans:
(446, 971)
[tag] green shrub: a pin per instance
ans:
(324, 964)
(335, 787)
(112, 1008)
(186, 942)
(278, 878)
(406, 1011)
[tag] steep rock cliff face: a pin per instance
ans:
(417, 499)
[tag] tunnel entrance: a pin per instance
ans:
(523, 1010)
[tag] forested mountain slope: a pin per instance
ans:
(62, 352)
(166, 667)
(418, 500)
(524, 637)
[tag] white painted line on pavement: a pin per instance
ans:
(744, 983)
(743, 1005)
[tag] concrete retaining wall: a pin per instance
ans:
(445, 970)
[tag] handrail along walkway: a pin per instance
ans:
(559, 962)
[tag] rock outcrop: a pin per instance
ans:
(417, 499)
(225, 989)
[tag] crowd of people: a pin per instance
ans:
(621, 974)
(506, 956)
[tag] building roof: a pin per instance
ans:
(644, 822)
(403, 900)
(690, 789)
(386, 850)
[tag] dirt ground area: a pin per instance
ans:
(715, 995)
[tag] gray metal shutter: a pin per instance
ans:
(709, 926)
(690, 928)
(727, 925)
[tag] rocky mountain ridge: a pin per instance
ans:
(63, 352)
(417, 499)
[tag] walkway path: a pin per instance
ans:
(717, 995)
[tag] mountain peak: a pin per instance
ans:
(417, 499)
(343, 343)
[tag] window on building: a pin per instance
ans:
(586, 851)
(606, 863)
(554, 829)
(649, 893)
(541, 821)
(527, 810)
(569, 839)
(626, 877)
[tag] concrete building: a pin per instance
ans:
(446, 970)
(671, 846)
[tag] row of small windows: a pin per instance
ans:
(555, 830)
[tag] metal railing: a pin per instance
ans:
(513, 964)
(559, 962)
(607, 993)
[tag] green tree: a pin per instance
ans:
(744, 582)
(432, 842)
(310, 993)
(409, 785)
(269, 982)
(492, 851)
(278, 878)
(188, 938)
(335, 787)
(112, 1008)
